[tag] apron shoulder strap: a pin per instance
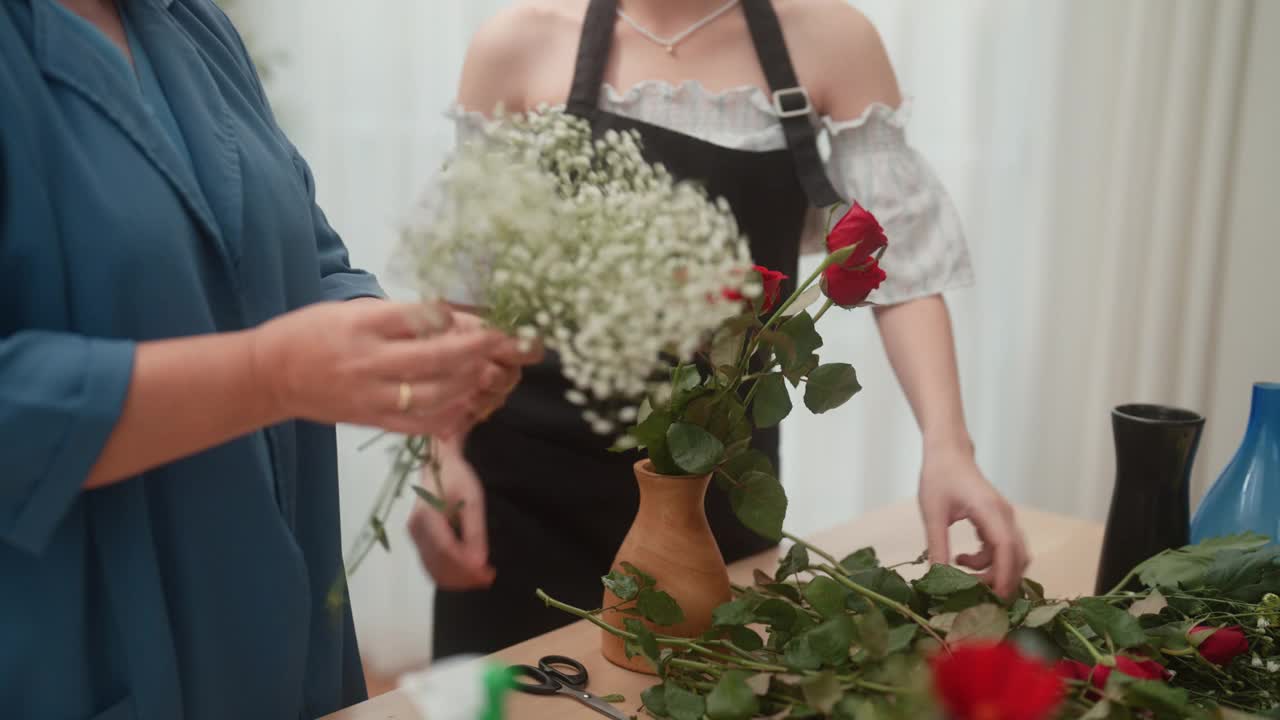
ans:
(790, 101)
(593, 56)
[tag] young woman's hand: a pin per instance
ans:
(952, 488)
(455, 559)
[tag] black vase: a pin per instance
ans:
(1151, 504)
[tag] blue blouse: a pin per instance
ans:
(137, 203)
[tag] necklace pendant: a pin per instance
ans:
(671, 49)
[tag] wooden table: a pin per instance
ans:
(1065, 560)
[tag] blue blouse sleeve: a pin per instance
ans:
(60, 397)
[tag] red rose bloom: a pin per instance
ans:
(1069, 669)
(1220, 645)
(771, 286)
(1140, 668)
(849, 283)
(857, 227)
(772, 280)
(849, 287)
(995, 682)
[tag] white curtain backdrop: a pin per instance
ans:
(1109, 158)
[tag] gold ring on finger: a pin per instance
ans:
(405, 401)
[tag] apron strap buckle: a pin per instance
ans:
(785, 102)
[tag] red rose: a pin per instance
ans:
(772, 280)
(849, 287)
(1069, 669)
(1140, 668)
(857, 227)
(850, 282)
(771, 286)
(995, 682)
(1220, 645)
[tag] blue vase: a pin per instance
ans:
(1247, 495)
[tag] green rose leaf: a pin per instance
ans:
(1245, 575)
(1044, 614)
(1018, 613)
(826, 596)
(684, 705)
(1186, 566)
(830, 641)
(646, 641)
(749, 461)
(694, 450)
(1032, 590)
(873, 632)
(746, 638)
(644, 579)
(979, 594)
(1112, 622)
(1156, 695)
(655, 700)
(804, 337)
(430, 498)
(777, 614)
(652, 435)
(659, 608)
(732, 699)
(624, 586)
(796, 560)
(760, 504)
(685, 377)
(726, 419)
(737, 612)
(822, 692)
(790, 592)
(864, 559)
(772, 402)
(884, 581)
(830, 386)
(800, 655)
(980, 623)
(1149, 605)
(944, 580)
(900, 637)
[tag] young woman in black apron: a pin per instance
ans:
(556, 502)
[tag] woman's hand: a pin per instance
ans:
(406, 368)
(952, 488)
(455, 559)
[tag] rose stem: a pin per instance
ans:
(868, 593)
(1093, 651)
(826, 306)
(662, 639)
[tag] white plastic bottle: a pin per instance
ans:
(465, 688)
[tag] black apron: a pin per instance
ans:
(558, 502)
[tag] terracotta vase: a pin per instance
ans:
(671, 540)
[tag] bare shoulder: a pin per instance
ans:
(506, 50)
(839, 53)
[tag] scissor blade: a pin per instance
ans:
(594, 703)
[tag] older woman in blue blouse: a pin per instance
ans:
(173, 353)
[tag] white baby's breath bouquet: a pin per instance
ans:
(580, 243)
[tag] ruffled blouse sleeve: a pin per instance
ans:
(871, 162)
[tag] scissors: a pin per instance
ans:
(550, 679)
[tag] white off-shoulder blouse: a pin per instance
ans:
(868, 160)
